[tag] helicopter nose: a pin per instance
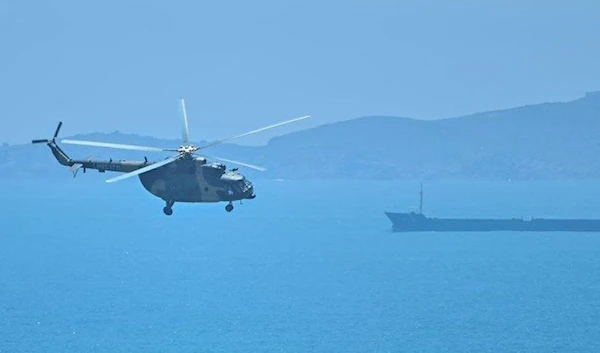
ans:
(248, 190)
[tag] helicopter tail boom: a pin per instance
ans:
(76, 164)
(60, 155)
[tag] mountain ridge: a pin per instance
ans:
(552, 140)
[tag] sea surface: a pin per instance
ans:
(307, 266)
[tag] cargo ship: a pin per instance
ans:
(418, 222)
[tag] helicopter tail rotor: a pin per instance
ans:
(53, 137)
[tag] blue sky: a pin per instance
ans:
(122, 65)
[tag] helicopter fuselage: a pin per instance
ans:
(194, 180)
(185, 180)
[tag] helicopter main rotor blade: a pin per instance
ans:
(254, 131)
(145, 169)
(118, 146)
(238, 163)
(185, 133)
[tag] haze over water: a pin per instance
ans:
(305, 267)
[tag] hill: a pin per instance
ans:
(542, 141)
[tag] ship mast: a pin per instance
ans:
(421, 200)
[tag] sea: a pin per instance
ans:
(307, 266)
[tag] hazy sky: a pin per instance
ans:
(122, 65)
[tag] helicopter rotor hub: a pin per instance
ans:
(187, 149)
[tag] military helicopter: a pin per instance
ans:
(184, 177)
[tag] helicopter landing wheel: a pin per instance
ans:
(229, 208)
(168, 209)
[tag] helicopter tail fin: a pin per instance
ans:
(58, 153)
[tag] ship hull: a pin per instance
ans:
(413, 222)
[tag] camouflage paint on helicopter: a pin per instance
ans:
(195, 180)
(184, 177)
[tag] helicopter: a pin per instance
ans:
(185, 177)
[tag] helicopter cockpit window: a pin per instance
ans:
(214, 168)
(220, 167)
